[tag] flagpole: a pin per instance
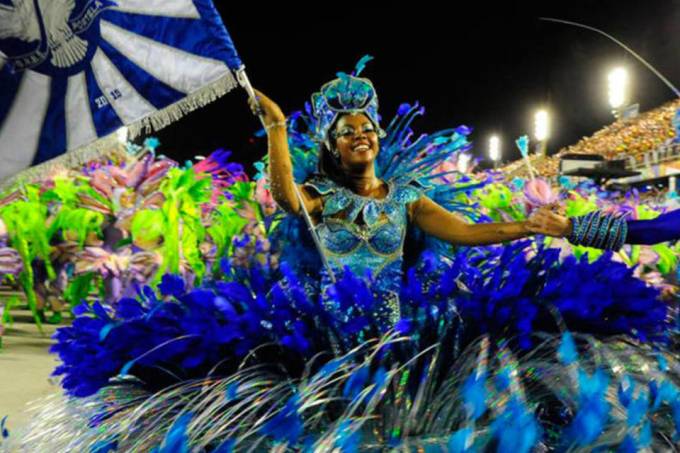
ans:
(243, 80)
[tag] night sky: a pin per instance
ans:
(486, 66)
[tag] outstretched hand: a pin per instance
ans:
(549, 220)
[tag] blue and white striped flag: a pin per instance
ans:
(74, 71)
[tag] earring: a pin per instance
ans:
(334, 151)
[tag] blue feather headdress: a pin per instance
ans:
(346, 94)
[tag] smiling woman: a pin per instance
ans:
(355, 143)
(509, 348)
(361, 220)
(351, 148)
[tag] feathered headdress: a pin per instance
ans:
(346, 94)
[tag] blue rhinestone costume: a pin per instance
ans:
(365, 235)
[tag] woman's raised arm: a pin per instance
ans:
(282, 183)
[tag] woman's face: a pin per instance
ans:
(356, 139)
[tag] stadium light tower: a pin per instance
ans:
(617, 89)
(495, 150)
(541, 130)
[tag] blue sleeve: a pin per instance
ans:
(664, 228)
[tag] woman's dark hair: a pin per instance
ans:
(329, 165)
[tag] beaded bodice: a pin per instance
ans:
(366, 235)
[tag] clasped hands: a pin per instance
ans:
(549, 220)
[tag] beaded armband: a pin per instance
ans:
(595, 229)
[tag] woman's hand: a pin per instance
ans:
(272, 112)
(549, 220)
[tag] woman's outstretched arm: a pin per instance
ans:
(282, 183)
(447, 226)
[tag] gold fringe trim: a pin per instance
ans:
(199, 98)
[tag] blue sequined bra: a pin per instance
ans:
(375, 245)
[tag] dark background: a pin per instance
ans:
(484, 64)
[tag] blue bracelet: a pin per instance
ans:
(575, 225)
(624, 233)
(599, 230)
(592, 231)
(579, 230)
(581, 233)
(604, 229)
(614, 235)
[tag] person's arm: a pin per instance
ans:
(664, 228)
(611, 231)
(447, 226)
(282, 183)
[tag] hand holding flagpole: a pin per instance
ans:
(243, 80)
(260, 112)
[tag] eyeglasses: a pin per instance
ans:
(349, 132)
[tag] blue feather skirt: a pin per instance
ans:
(497, 349)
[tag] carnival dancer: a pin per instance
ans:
(362, 219)
(478, 349)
